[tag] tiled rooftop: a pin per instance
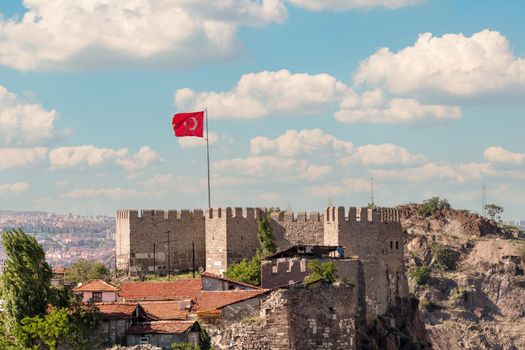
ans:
(166, 310)
(176, 290)
(116, 310)
(209, 300)
(159, 327)
(229, 280)
(96, 286)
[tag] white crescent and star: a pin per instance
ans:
(195, 123)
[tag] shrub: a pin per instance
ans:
(264, 235)
(247, 271)
(421, 275)
(459, 296)
(432, 205)
(184, 346)
(444, 258)
(321, 271)
(429, 305)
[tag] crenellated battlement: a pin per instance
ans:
(289, 216)
(152, 214)
(353, 214)
(246, 213)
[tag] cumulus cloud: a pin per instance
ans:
(14, 188)
(64, 34)
(195, 142)
(21, 157)
(86, 155)
(110, 193)
(260, 94)
(272, 167)
(22, 122)
(341, 5)
(451, 65)
(398, 110)
(501, 155)
(434, 171)
(382, 154)
(144, 157)
(293, 142)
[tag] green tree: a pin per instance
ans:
(420, 274)
(444, 257)
(26, 280)
(432, 205)
(47, 332)
(85, 270)
(85, 319)
(184, 346)
(494, 211)
(247, 271)
(326, 271)
(264, 235)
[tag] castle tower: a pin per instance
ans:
(376, 237)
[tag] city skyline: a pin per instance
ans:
(431, 106)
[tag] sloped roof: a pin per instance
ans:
(229, 280)
(176, 290)
(161, 327)
(116, 310)
(164, 310)
(96, 286)
(211, 300)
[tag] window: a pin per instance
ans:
(143, 340)
(391, 245)
(97, 297)
(397, 245)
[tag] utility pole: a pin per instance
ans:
(154, 259)
(372, 204)
(169, 261)
(193, 258)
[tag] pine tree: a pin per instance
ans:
(26, 280)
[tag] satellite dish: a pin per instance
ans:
(200, 269)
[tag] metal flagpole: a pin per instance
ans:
(208, 155)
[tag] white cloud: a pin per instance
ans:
(294, 142)
(195, 142)
(271, 167)
(373, 107)
(340, 5)
(86, 155)
(434, 171)
(14, 188)
(144, 157)
(110, 193)
(62, 183)
(339, 189)
(22, 122)
(501, 155)
(453, 65)
(260, 94)
(383, 154)
(20, 157)
(64, 34)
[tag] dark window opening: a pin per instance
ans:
(397, 245)
(391, 245)
(97, 297)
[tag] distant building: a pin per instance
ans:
(97, 291)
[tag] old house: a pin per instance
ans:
(117, 318)
(156, 291)
(97, 291)
(164, 333)
(214, 282)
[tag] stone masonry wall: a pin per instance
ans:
(139, 233)
(289, 228)
(315, 317)
(377, 238)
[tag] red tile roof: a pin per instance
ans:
(166, 310)
(211, 300)
(116, 310)
(96, 286)
(229, 280)
(176, 290)
(161, 327)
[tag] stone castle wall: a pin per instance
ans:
(290, 228)
(141, 233)
(376, 237)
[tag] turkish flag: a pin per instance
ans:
(188, 124)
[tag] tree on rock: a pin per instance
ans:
(494, 211)
(27, 278)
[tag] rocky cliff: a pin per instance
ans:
(474, 296)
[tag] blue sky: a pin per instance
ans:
(307, 100)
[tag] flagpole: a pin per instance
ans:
(208, 155)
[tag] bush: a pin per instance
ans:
(444, 258)
(429, 305)
(459, 296)
(421, 275)
(321, 271)
(432, 205)
(184, 346)
(264, 235)
(247, 271)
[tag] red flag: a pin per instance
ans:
(188, 124)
